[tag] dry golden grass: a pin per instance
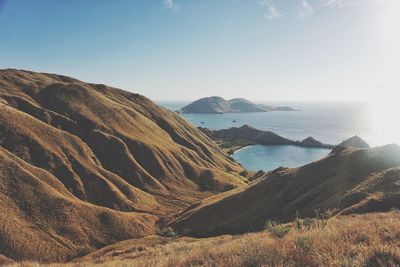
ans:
(139, 144)
(83, 166)
(40, 220)
(354, 240)
(355, 180)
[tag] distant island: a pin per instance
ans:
(218, 105)
(235, 138)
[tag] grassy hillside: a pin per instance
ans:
(40, 219)
(85, 166)
(347, 180)
(77, 157)
(357, 240)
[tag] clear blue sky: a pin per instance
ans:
(185, 49)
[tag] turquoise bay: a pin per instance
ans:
(268, 158)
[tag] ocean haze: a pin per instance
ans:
(328, 122)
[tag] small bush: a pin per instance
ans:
(168, 232)
(323, 216)
(299, 222)
(277, 230)
(308, 223)
(304, 243)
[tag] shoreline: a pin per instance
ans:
(232, 150)
(240, 148)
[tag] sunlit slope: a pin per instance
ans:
(41, 220)
(87, 165)
(126, 134)
(348, 179)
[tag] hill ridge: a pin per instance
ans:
(113, 151)
(348, 180)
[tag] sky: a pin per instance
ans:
(265, 50)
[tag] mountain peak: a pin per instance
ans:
(354, 141)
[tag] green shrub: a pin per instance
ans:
(277, 230)
(308, 223)
(323, 216)
(298, 221)
(168, 232)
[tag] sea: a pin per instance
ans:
(328, 122)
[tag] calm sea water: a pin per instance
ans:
(268, 158)
(330, 123)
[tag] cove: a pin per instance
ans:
(267, 158)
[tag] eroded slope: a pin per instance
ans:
(86, 165)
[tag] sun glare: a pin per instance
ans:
(383, 105)
(384, 121)
(391, 31)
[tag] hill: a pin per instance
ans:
(354, 141)
(237, 137)
(41, 220)
(348, 180)
(216, 104)
(85, 165)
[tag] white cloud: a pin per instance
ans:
(271, 12)
(306, 9)
(170, 4)
(343, 3)
(334, 3)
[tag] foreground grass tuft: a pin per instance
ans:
(357, 240)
